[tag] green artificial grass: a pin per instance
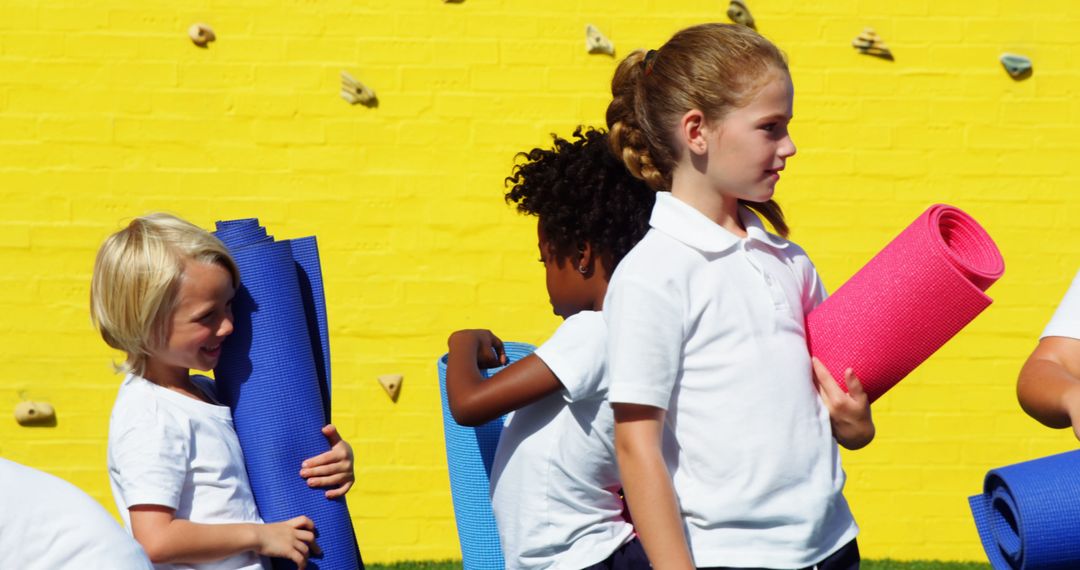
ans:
(866, 565)
(921, 565)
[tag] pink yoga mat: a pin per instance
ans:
(908, 301)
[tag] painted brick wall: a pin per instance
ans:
(107, 111)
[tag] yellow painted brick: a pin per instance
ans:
(215, 76)
(75, 128)
(244, 48)
(72, 18)
(104, 46)
(506, 78)
(440, 80)
(143, 74)
(139, 20)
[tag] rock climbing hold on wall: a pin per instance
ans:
(870, 43)
(201, 34)
(35, 414)
(392, 384)
(740, 14)
(1017, 66)
(355, 92)
(596, 42)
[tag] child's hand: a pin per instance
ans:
(333, 468)
(849, 411)
(488, 347)
(289, 539)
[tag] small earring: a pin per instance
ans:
(582, 269)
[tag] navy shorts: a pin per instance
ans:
(630, 556)
(847, 558)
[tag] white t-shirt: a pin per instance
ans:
(1066, 320)
(47, 523)
(710, 327)
(554, 482)
(168, 449)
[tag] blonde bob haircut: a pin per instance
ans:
(137, 274)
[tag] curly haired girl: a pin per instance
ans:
(555, 484)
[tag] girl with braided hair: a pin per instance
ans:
(554, 482)
(726, 430)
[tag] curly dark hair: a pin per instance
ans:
(582, 194)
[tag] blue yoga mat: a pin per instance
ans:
(274, 374)
(470, 452)
(1028, 515)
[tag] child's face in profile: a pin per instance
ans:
(565, 284)
(749, 147)
(201, 321)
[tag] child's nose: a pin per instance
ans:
(226, 327)
(787, 148)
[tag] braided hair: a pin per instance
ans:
(711, 67)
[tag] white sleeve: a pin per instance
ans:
(813, 293)
(576, 355)
(148, 458)
(1066, 320)
(645, 342)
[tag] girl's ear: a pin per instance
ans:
(692, 129)
(585, 259)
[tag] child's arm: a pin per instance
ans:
(475, 400)
(647, 484)
(1049, 383)
(167, 539)
(849, 412)
(333, 468)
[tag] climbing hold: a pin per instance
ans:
(1017, 66)
(392, 384)
(870, 43)
(355, 92)
(596, 42)
(35, 414)
(201, 34)
(740, 14)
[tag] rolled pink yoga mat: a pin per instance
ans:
(908, 301)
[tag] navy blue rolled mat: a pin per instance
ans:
(1028, 515)
(269, 375)
(470, 452)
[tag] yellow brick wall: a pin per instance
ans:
(108, 111)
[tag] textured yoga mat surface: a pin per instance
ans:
(470, 452)
(924, 287)
(274, 374)
(1028, 515)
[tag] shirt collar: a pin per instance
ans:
(684, 223)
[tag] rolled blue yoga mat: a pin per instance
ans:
(470, 452)
(274, 375)
(1028, 515)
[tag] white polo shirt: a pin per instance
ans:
(1066, 320)
(710, 327)
(555, 483)
(47, 523)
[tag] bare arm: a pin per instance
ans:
(1049, 383)
(475, 400)
(168, 539)
(648, 488)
